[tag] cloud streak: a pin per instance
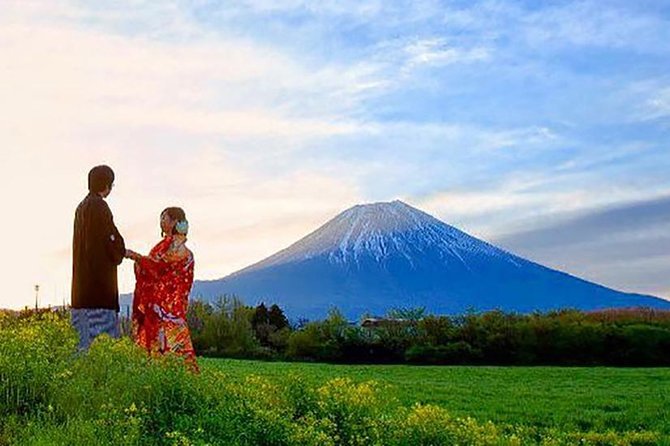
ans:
(625, 245)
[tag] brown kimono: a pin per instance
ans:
(97, 249)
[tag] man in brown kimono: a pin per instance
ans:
(97, 249)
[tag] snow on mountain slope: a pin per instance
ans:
(382, 230)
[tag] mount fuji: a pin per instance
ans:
(374, 257)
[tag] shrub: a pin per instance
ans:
(453, 353)
(223, 329)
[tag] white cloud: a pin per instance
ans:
(659, 105)
(647, 99)
(597, 25)
(398, 63)
(523, 202)
(458, 138)
(438, 52)
(328, 8)
(231, 87)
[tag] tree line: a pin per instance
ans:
(621, 337)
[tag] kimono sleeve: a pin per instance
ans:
(115, 246)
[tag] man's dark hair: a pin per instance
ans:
(100, 178)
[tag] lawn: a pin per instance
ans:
(586, 398)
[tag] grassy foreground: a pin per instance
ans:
(115, 396)
(579, 398)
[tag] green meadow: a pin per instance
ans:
(579, 398)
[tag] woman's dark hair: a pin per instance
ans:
(176, 214)
(100, 178)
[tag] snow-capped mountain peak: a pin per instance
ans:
(380, 231)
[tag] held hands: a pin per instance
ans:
(130, 254)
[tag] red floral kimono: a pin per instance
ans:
(163, 283)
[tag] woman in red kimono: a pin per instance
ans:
(163, 283)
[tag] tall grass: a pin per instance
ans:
(115, 395)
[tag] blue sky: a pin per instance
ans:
(264, 118)
(467, 94)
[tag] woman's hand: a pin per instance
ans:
(130, 254)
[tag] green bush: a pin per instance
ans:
(453, 353)
(322, 340)
(34, 354)
(223, 329)
(645, 345)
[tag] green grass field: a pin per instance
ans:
(580, 398)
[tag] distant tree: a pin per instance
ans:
(260, 316)
(276, 317)
(409, 314)
(261, 325)
(300, 323)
